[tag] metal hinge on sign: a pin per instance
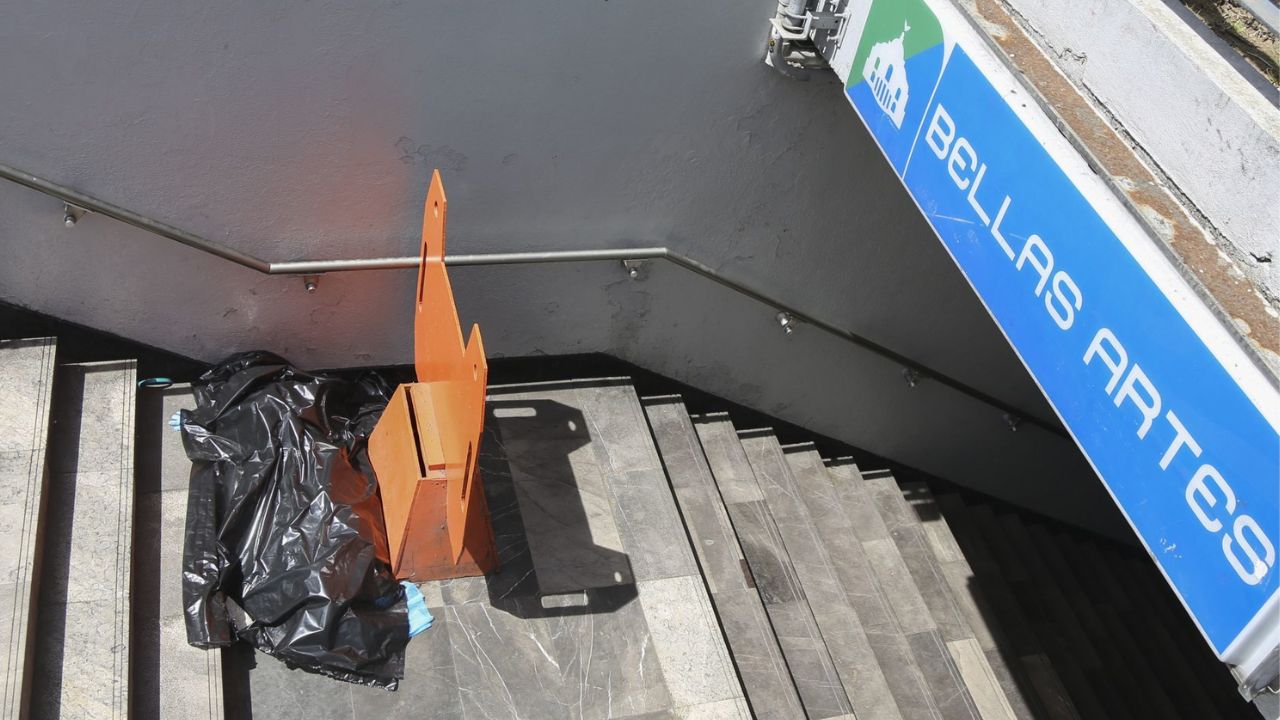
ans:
(801, 39)
(822, 20)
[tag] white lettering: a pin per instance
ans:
(1043, 264)
(1063, 312)
(973, 191)
(1260, 564)
(938, 139)
(1197, 487)
(1181, 438)
(1247, 548)
(995, 228)
(958, 163)
(1116, 362)
(1149, 407)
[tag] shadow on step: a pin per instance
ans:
(54, 560)
(1063, 619)
(144, 630)
(993, 611)
(549, 506)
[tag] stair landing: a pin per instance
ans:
(598, 609)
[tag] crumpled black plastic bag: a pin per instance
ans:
(284, 521)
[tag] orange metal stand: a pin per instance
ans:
(424, 447)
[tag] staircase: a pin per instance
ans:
(655, 564)
(92, 522)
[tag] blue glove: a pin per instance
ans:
(419, 616)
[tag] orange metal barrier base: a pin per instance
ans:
(424, 447)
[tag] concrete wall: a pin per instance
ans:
(308, 130)
(1205, 118)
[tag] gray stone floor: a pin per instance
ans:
(26, 382)
(598, 611)
(765, 676)
(977, 677)
(842, 632)
(173, 679)
(853, 568)
(815, 675)
(82, 632)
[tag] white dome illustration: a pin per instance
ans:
(886, 75)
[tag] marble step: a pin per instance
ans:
(598, 609)
(171, 679)
(1077, 624)
(770, 691)
(1046, 692)
(821, 692)
(1073, 670)
(967, 595)
(1150, 592)
(1158, 607)
(26, 386)
(1125, 665)
(929, 649)
(82, 632)
(904, 527)
(853, 566)
(1168, 669)
(851, 651)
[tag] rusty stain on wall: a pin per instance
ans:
(1253, 317)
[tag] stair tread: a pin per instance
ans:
(1035, 599)
(628, 507)
(82, 642)
(928, 647)
(187, 679)
(908, 536)
(1076, 622)
(915, 547)
(1211, 677)
(1148, 640)
(1126, 667)
(675, 609)
(821, 692)
(857, 578)
(26, 385)
(1014, 624)
(841, 631)
(967, 593)
(1150, 592)
(1050, 692)
(597, 609)
(1046, 687)
(765, 678)
(908, 606)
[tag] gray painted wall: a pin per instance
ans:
(309, 129)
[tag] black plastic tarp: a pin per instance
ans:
(284, 521)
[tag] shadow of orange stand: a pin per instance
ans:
(424, 446)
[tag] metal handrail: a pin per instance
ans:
(913, 369)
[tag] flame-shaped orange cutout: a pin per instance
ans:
(425, 445)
